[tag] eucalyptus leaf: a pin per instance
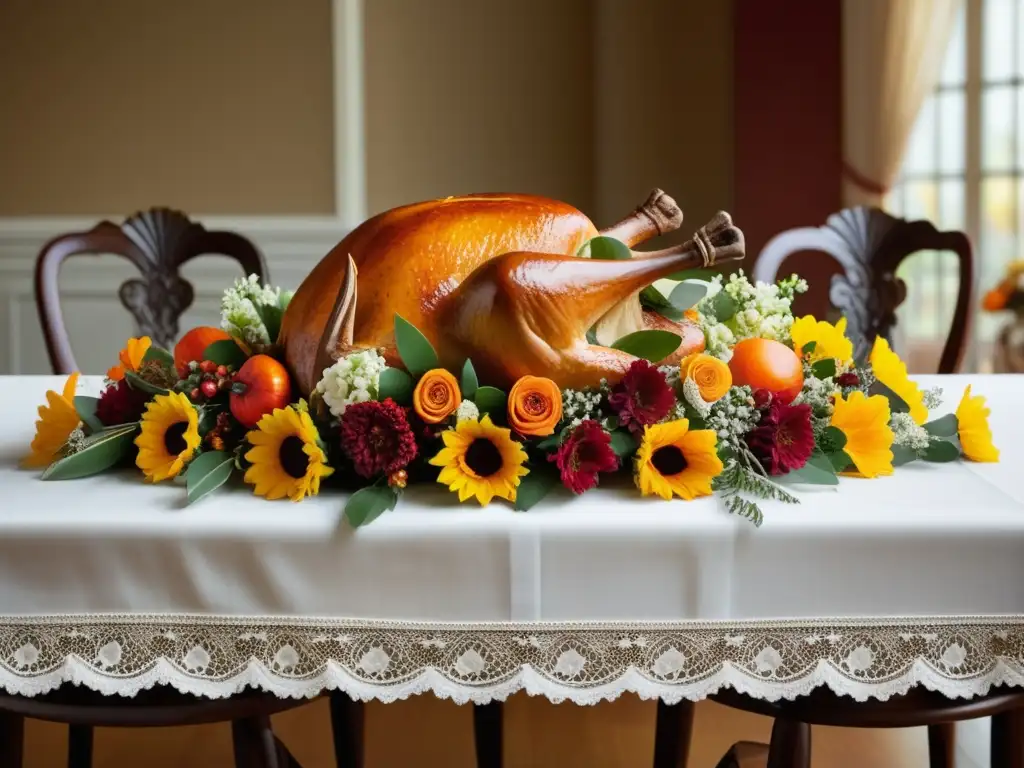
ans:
(550, 442)
(606, 249)
(841, 461)
(137, 382)
(687, 295)
(367, 504)
(396, 384)
(85, 407)
(724, 306)
(491, 400)
(835, 438)
(271, 315)
(623, 443)
(896, 403)
(225, 352)
(902, 454)
(941, 451)
(653, 345)
(99, 453)
(693, 274)
(817, 471)
(159, 355)
(207, 472)
(947, 426)
(808, 348)
(534, 487)
(653, 299)
(824, 369)
(468, 382)
(413, 347)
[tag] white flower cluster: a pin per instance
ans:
(908, 432)
(467, 411)
(691, 392)
(353, 379)
(248, 307)
(580, 405)
(733, 417)
(817, 393)
(932, 398)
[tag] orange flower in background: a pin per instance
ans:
(995, 300)
(57, 420)
(691, 315)
(436, 396)
(534, 406)
(130, 357)
(712, 376)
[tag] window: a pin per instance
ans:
(964, 169)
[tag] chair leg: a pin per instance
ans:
(942, 745)
(672, 732)
(488, 723)
(1008, 739)
(254, 743)
(347, 717)
(791, 745)
(12, 739)
(79, 746)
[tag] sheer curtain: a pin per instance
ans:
(892, 56)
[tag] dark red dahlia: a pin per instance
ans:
(849, 379)
(377, 438)
(783, 440)
(762, 399)
(585, 453)
(642, 397)
(120, 404)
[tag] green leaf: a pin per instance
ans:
(100, 452)
(534, 487)
(548, 443)
(896, 403)
(396, 384)
(623, 443)
(468, 382)
(687, 295)
(692, 274)
(653, 299)
(650, 345)
(207, 472)
(607, 249)
(941, 451)
(271, 315)
(491, 400)
(817, 471)
(592, 337)
(160, 355)
(901, 455)
(139, 383)
(85, 407)
(413, 347)
(947, 426)
(824, 369)
(840, 461)
(809, 347)
(835, 438)
(367, 504)
(724, 306)
(225, 352)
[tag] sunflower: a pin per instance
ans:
(974, 431)
(169, 436)
(891, 371)
(830, 341)
(674, 459)
(57, 420)
(864, 421)
(286, 456)
(130, 358)
(481, 460)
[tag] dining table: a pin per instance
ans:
(870, 587)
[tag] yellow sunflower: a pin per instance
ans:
(674, 459)
(286, 456)
(975, 433)
(130, 357)
(57, 420)
(169, 436)
(480, 460)
(891, 371)
(865, 423)
(829, 340)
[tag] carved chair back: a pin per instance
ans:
(158, 242)
(869, 245)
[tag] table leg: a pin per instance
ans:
(12, 739)
(791, 745)
(488, 723)
(942, 745)
(347, 717)
(79, 746)
(672, 732)
(1008, 739)
(254, 743)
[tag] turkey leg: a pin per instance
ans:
(658, 216)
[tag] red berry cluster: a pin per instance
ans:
(206, 380)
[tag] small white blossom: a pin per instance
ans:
(353, 379)
(692, 394)
(247, 307)
(909, 433)
(732, 418)
(933, 398)
(467, 411)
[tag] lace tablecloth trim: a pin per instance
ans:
(581, 662)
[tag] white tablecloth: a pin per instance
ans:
(870, 587)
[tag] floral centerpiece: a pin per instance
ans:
(774, 402)
(1008, 296)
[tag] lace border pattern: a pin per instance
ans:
(584, 663)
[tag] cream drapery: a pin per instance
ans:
(892, 57)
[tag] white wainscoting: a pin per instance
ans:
(97, 322)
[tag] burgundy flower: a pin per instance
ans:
(587, 451)
(120, 404)
(762, 399)
(849, 379)
(377, 438)
(642, 397)
(783, 440)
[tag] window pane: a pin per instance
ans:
(922, 200)
(920, 156)
(953, 69)
(1019, 127)
(951, 131)
(999, 214)
(998, 43)
(997, 128)
(951, 205)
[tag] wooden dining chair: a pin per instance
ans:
(869, 245)
(158, 242)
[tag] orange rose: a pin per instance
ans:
(712, 377)
(534, 406)
(436, 396)
(130, 357)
